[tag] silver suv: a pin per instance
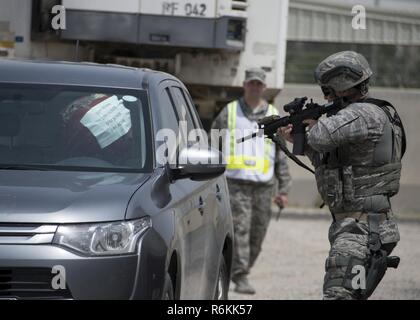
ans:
(88, 209)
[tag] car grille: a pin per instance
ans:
(26, 233)
(29, 283)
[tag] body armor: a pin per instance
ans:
(363, 181)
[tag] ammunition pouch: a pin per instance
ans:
(348, 188)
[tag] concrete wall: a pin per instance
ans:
(407, 101)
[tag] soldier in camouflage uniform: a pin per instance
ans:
(251, 190)
(356, 153)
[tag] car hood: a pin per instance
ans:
(65, 197)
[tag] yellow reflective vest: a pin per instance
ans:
(252, 160)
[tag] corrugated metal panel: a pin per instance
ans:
(316, 22)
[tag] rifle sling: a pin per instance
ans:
(283, 147)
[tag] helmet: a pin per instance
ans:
(342, 71)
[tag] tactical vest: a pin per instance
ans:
(351, 187)
(254, 159)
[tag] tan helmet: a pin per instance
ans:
(342, 71)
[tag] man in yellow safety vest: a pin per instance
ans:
(251, 171)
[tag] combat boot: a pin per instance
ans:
(243, 286)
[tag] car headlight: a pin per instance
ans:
(113, 238)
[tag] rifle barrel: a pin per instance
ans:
(271, 125)
(243, 139)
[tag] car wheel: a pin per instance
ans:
(168, 288)
(222, 287)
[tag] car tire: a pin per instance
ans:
(168, 288)
(222, 285)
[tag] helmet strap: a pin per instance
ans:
(363, 87)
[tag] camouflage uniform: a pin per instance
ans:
(251, 202)
(350, 186)
(358, 126)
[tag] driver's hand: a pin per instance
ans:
(285, 133)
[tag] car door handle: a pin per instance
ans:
(218, 193)
(201, 205)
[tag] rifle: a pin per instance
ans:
(298, 111)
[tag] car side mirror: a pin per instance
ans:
(199, 164)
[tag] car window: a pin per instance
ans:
(168, 120)
(168, 116)
(194, 111)
(74, 128)
(195, 115)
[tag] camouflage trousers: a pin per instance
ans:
(251, 213)
(349, 239)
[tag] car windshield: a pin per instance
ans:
(50, 127)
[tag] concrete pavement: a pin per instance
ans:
(291, 265)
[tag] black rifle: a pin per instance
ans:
(298, 112)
